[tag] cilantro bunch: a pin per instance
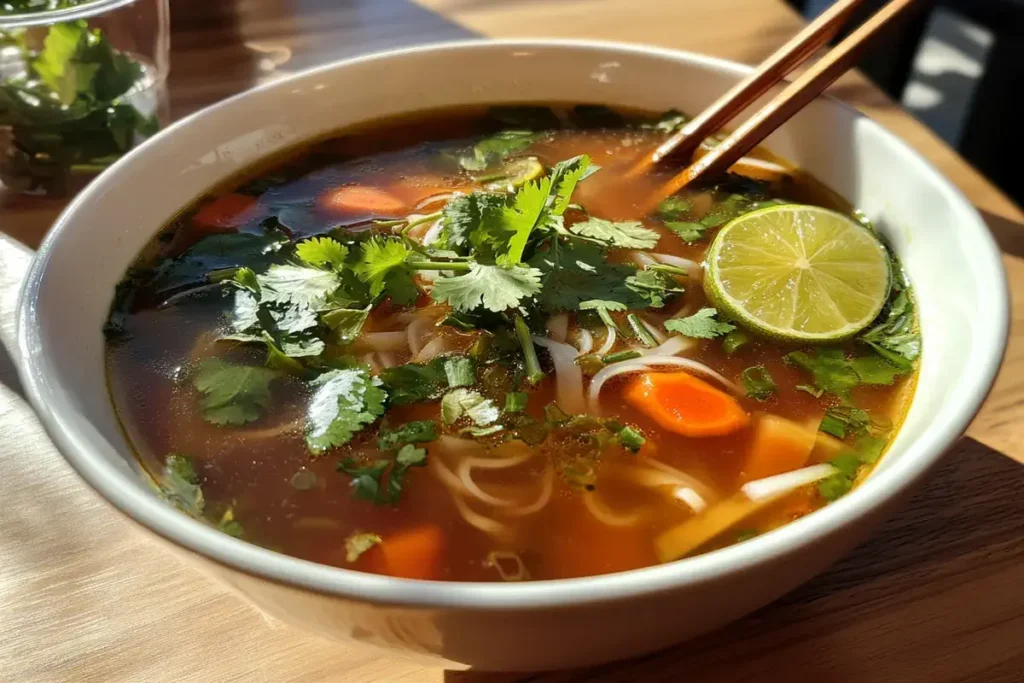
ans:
(68, 112)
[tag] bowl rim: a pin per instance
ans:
(883, 487)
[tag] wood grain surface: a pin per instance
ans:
(936, 597)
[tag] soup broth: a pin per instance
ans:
(428, 349)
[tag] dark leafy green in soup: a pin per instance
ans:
(476, 345)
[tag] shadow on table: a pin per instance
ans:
(1009, 234)
(968, 518)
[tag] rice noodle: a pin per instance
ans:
(681, 486)
(478, 521)
(639, 364)
(655, 331)
(371, 360)
(643, 259)
(584, 341)
(546, 490)
(691, 498)
(435, 199)
(607, 516)
(674, 346)
(459, 447)
(558, 327)
(434, 348)
(780, 484)
(268, 432)
(414, 334)
(433, 233)
(384, 341)
(609, 341)
(679, 262)
(464, 473)
(568, 375)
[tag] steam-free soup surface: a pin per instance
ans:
(354, 400)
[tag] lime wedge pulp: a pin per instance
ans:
(798, 273)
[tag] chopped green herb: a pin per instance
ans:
(641, 331)
(687, 231)
(534, 374)
(417, 431)
(495, 149)
(553, 414)
(461, 402)
(620, 234)
(415, 382)
(746, 535)
(343, 403)
(515, 401)
(869, 448)
(382, 266)
(834, 373)
(381, 481)
(700, 325)
(358, 543)
(229, 525)
(758, 383)
(232, 394)
(619, 356)
(808, 389)
(460, 371)
(180, 485)
(734, 341)
(674, 207)
(322, 251)
(631, 438)
(843, 420)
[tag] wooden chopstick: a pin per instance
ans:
(780, 64)
(792, 99)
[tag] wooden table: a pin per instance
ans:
(936, 597)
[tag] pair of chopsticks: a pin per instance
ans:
(792, 99)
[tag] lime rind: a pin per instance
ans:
(798, 273)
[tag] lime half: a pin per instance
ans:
(798, 273)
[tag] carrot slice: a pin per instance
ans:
(359, 199)
(681, 403)
(226, 211)
(779, 445)
(412, 554)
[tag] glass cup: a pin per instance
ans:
(81, 83)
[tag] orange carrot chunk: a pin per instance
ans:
(412, 554)
(683, 404)
(359, 199)
(226, 211)
(779, 445)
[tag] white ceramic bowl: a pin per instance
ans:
(951, 258)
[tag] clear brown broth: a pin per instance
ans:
(253, 475)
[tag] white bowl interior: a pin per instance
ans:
(946, 249)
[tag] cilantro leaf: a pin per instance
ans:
(652, 288)
(217, 252)
(382, 266)
(322, 251)
(623, 234)
(758, 383)
(346, 323)
(232, 394)
(460, 371)
(462, 215)
(496, 288)
(465, 402)
(417, 431)
(700, 325)
(358, 543)
(836, 374)
(343, 403)
(673, 208)
(565, 176)
(669, 122)
(415, 382)
(577, 272)
(842, 420)
(381, 481)
(293, 284)
(829, 370)
(495, 148)
(895, 339)
(180, 485)
(520, 218)
(515, 401)
(686, 230)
